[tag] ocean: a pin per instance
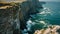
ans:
(49, 15)
(54, 11)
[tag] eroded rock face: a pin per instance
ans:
(7, 11)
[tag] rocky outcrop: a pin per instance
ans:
(50, 30)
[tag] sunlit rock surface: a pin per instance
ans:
(50, 30)
(8, 1)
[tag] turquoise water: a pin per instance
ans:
(54, 8)
(49, 15)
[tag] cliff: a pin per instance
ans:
(29, 8)
(15, 13)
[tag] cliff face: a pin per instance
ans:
(18, 13)
(28, 8)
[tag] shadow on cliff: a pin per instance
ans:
(29, 8)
